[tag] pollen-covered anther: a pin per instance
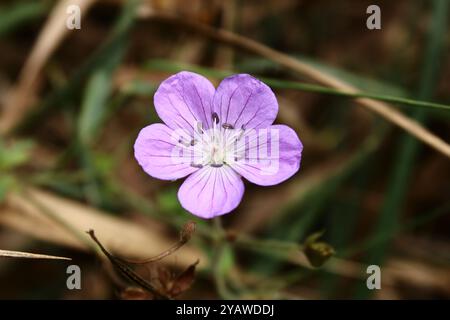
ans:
(227, 126)
(183, 142)
(215, 118)
(199, 127)
(240, 134)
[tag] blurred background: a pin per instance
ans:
(368, 193)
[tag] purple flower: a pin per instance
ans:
(216, 137)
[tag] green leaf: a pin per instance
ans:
(94, 105)
(6, 184)
(225, 261)
(98, 89)
(168, 201)
(378, 90)
(139, 87)
(20, 13)
(14, 155)
(363, 83)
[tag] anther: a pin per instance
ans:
(200, 127)
(227, 126)
(215, 118)
(196, 165)
(241, 133)
(216, 165)
(184, 143)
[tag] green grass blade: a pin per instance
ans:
(16, 15)
(95, 102)
(170, 66)
(363, 83)
(99, 86)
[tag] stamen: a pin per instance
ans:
(216, 165)
(215, 118)
(241, 133)
(193, 142)
(184, 143)
(199, 127)
(227, 126)
(196, 165)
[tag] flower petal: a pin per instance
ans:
(184, 99)
(271, 160)
(161, 155)
(242, 100)
(211, 192)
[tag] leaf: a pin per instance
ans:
(314, 237)
(98, 89)
(226, 260)
(27, 255)
(24, 215)
(164, 277)
(374, 89)
(6, 184)
(14, 155)
(138, 87)
(364, 83)
(135, 293)
(183, 281)
(19, 13)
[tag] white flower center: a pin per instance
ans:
(218, 145)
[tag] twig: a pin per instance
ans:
(185, 235)
(127, 271)
(27, 255)
(386, 111)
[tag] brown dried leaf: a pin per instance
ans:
(135, 293)
(135, 241)
(183, 281)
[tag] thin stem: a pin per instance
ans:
(185, 235)
(127, 271)
(219, 276)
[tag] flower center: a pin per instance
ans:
(217, 145)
